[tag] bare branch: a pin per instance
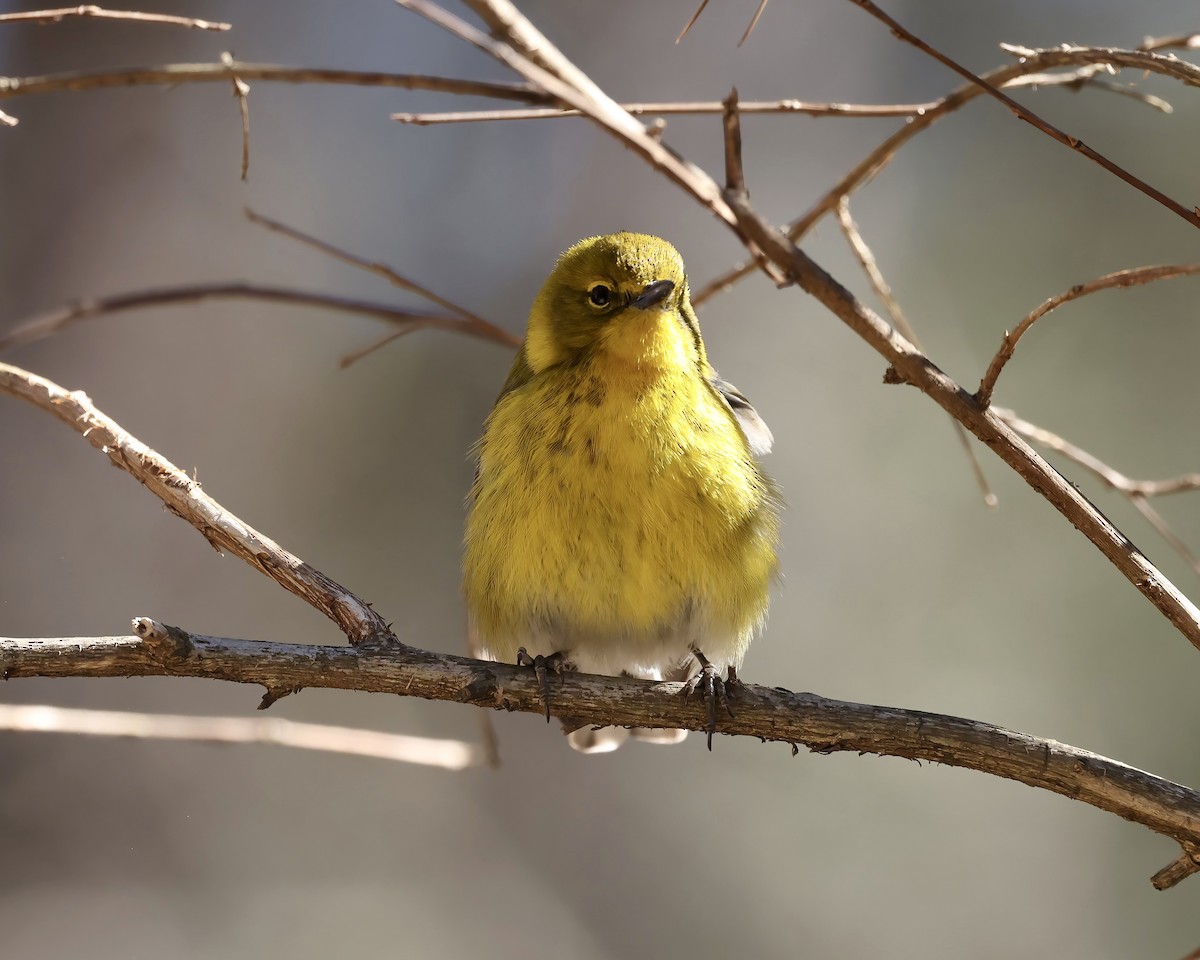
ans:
(427, 751)
(90, 10)
(695, 107)
(1138, 492)
(408, 320)
(1028, 71)
(909, 365)
(1132, 277)
(1110, 477)
(762, 5)
(527, 52)
(906, 363)
(184, 497)
(866, 260)
(735, 178)
(177, 73)
(768, 713)
(241, 92)
(472, 323)
(695, 16)
(1188, 214)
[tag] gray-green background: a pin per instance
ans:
(899, 587)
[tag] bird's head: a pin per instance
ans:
(624, 294)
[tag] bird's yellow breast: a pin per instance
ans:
(617, 500)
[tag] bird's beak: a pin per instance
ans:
(654, 294)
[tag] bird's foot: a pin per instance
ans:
(556, 663)
(715, 690)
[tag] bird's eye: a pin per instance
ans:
(599, 295)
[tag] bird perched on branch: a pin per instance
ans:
(619, 522)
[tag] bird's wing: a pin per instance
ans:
(757, 433)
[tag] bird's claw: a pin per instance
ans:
(715, 691)
(556, 663)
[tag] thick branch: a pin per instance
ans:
(821, 724)
(909, 365)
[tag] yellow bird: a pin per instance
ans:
(619, 522)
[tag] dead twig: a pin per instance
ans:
(184, 497)
(407, 320)
(1137, 492)
(685, 108)
(866, 260)
(99, 13)
(1024, 113)
(241, 92)
(1133, 277)
(425, 751)
(735, 178)
(1028, 71)
(177, 73)
(473, 323)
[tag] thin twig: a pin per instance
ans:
(1159, 523)
(177, 73)
(184, 497)
(1109, 476)
(1138, 492)
(1189, 214)
(866, 260)
(769, 713)
(686, 108)
(478, 326)
(241, 91)
(745, 36)
(1133, 277)
(426, 751)
(408, 320)
(762, 5)
(90, 10)
(528, 53)
(695, 16)
(1028, 71)
(735, 177)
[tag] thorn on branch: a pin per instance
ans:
(275, 694)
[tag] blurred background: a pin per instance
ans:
(899, 587)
